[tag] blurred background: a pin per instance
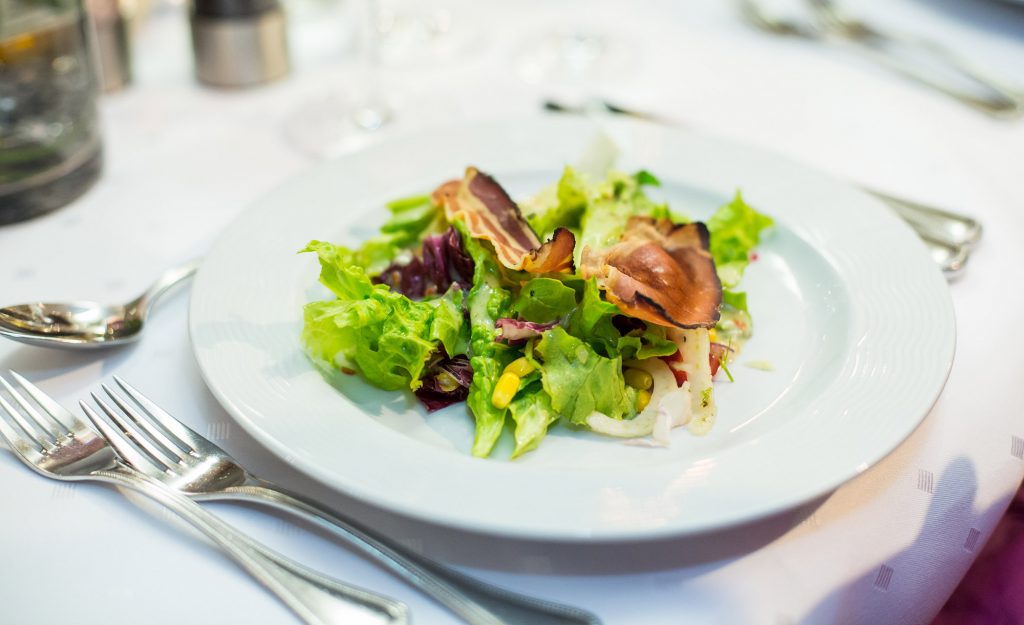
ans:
(200, 96)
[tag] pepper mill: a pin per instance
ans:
(238, 43)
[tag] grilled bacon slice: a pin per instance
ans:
(489, 213)
(659, 272)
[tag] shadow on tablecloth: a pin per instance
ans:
(931, 567)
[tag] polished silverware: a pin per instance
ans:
(87, 325)
(904, 54)
(948, 236)
(58, 444)
(169, 451)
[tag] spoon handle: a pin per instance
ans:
(167, 280)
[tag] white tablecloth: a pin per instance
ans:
(182, 161)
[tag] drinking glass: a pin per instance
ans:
(50, 149)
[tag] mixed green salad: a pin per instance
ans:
(589, 305)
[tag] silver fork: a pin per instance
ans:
(60, 445)
(903, 54)
(170, 451)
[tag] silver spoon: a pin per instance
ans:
(87, 325)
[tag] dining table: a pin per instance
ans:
(183, 160)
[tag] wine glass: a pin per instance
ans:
(338, 120)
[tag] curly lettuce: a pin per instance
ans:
(384, 335)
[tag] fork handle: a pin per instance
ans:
(474, 601)
(316, 599)
(897, 52)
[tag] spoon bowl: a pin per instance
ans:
(86, 325)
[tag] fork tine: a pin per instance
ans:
(184, 436)
(119, 442)
(170, 453)
(64, 418)
(134, 436)
(17, 442)
(28, 428)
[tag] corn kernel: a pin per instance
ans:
(520, 367)
(447, 382)
(638, 378)
(505, 390)
(642, 399)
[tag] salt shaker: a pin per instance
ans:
(238, 43)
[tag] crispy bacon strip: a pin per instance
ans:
(489, 213)
(660, 272)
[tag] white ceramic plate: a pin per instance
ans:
(847, 306)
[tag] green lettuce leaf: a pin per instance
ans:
(735, 323)
(735, 230)
(579, 381)
(411, 219)
(735, 299)
(570, 202)
(532, 413)
(448, 325)
(648, 343)
(385, 335)
(610, 205)
(489, 420)
(543, 300)
(336, 270)
(487, 302)
(592, 320)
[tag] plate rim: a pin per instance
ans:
(366, 495)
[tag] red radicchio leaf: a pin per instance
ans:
(445, 383)
(442, 262)
(517, 331)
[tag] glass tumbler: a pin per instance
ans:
(50, 148)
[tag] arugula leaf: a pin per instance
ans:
(543, 300)
(579, 381)
(404, 204)
(644, 177)
(735, 229)
(411, 217)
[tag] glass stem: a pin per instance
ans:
(371, 112)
